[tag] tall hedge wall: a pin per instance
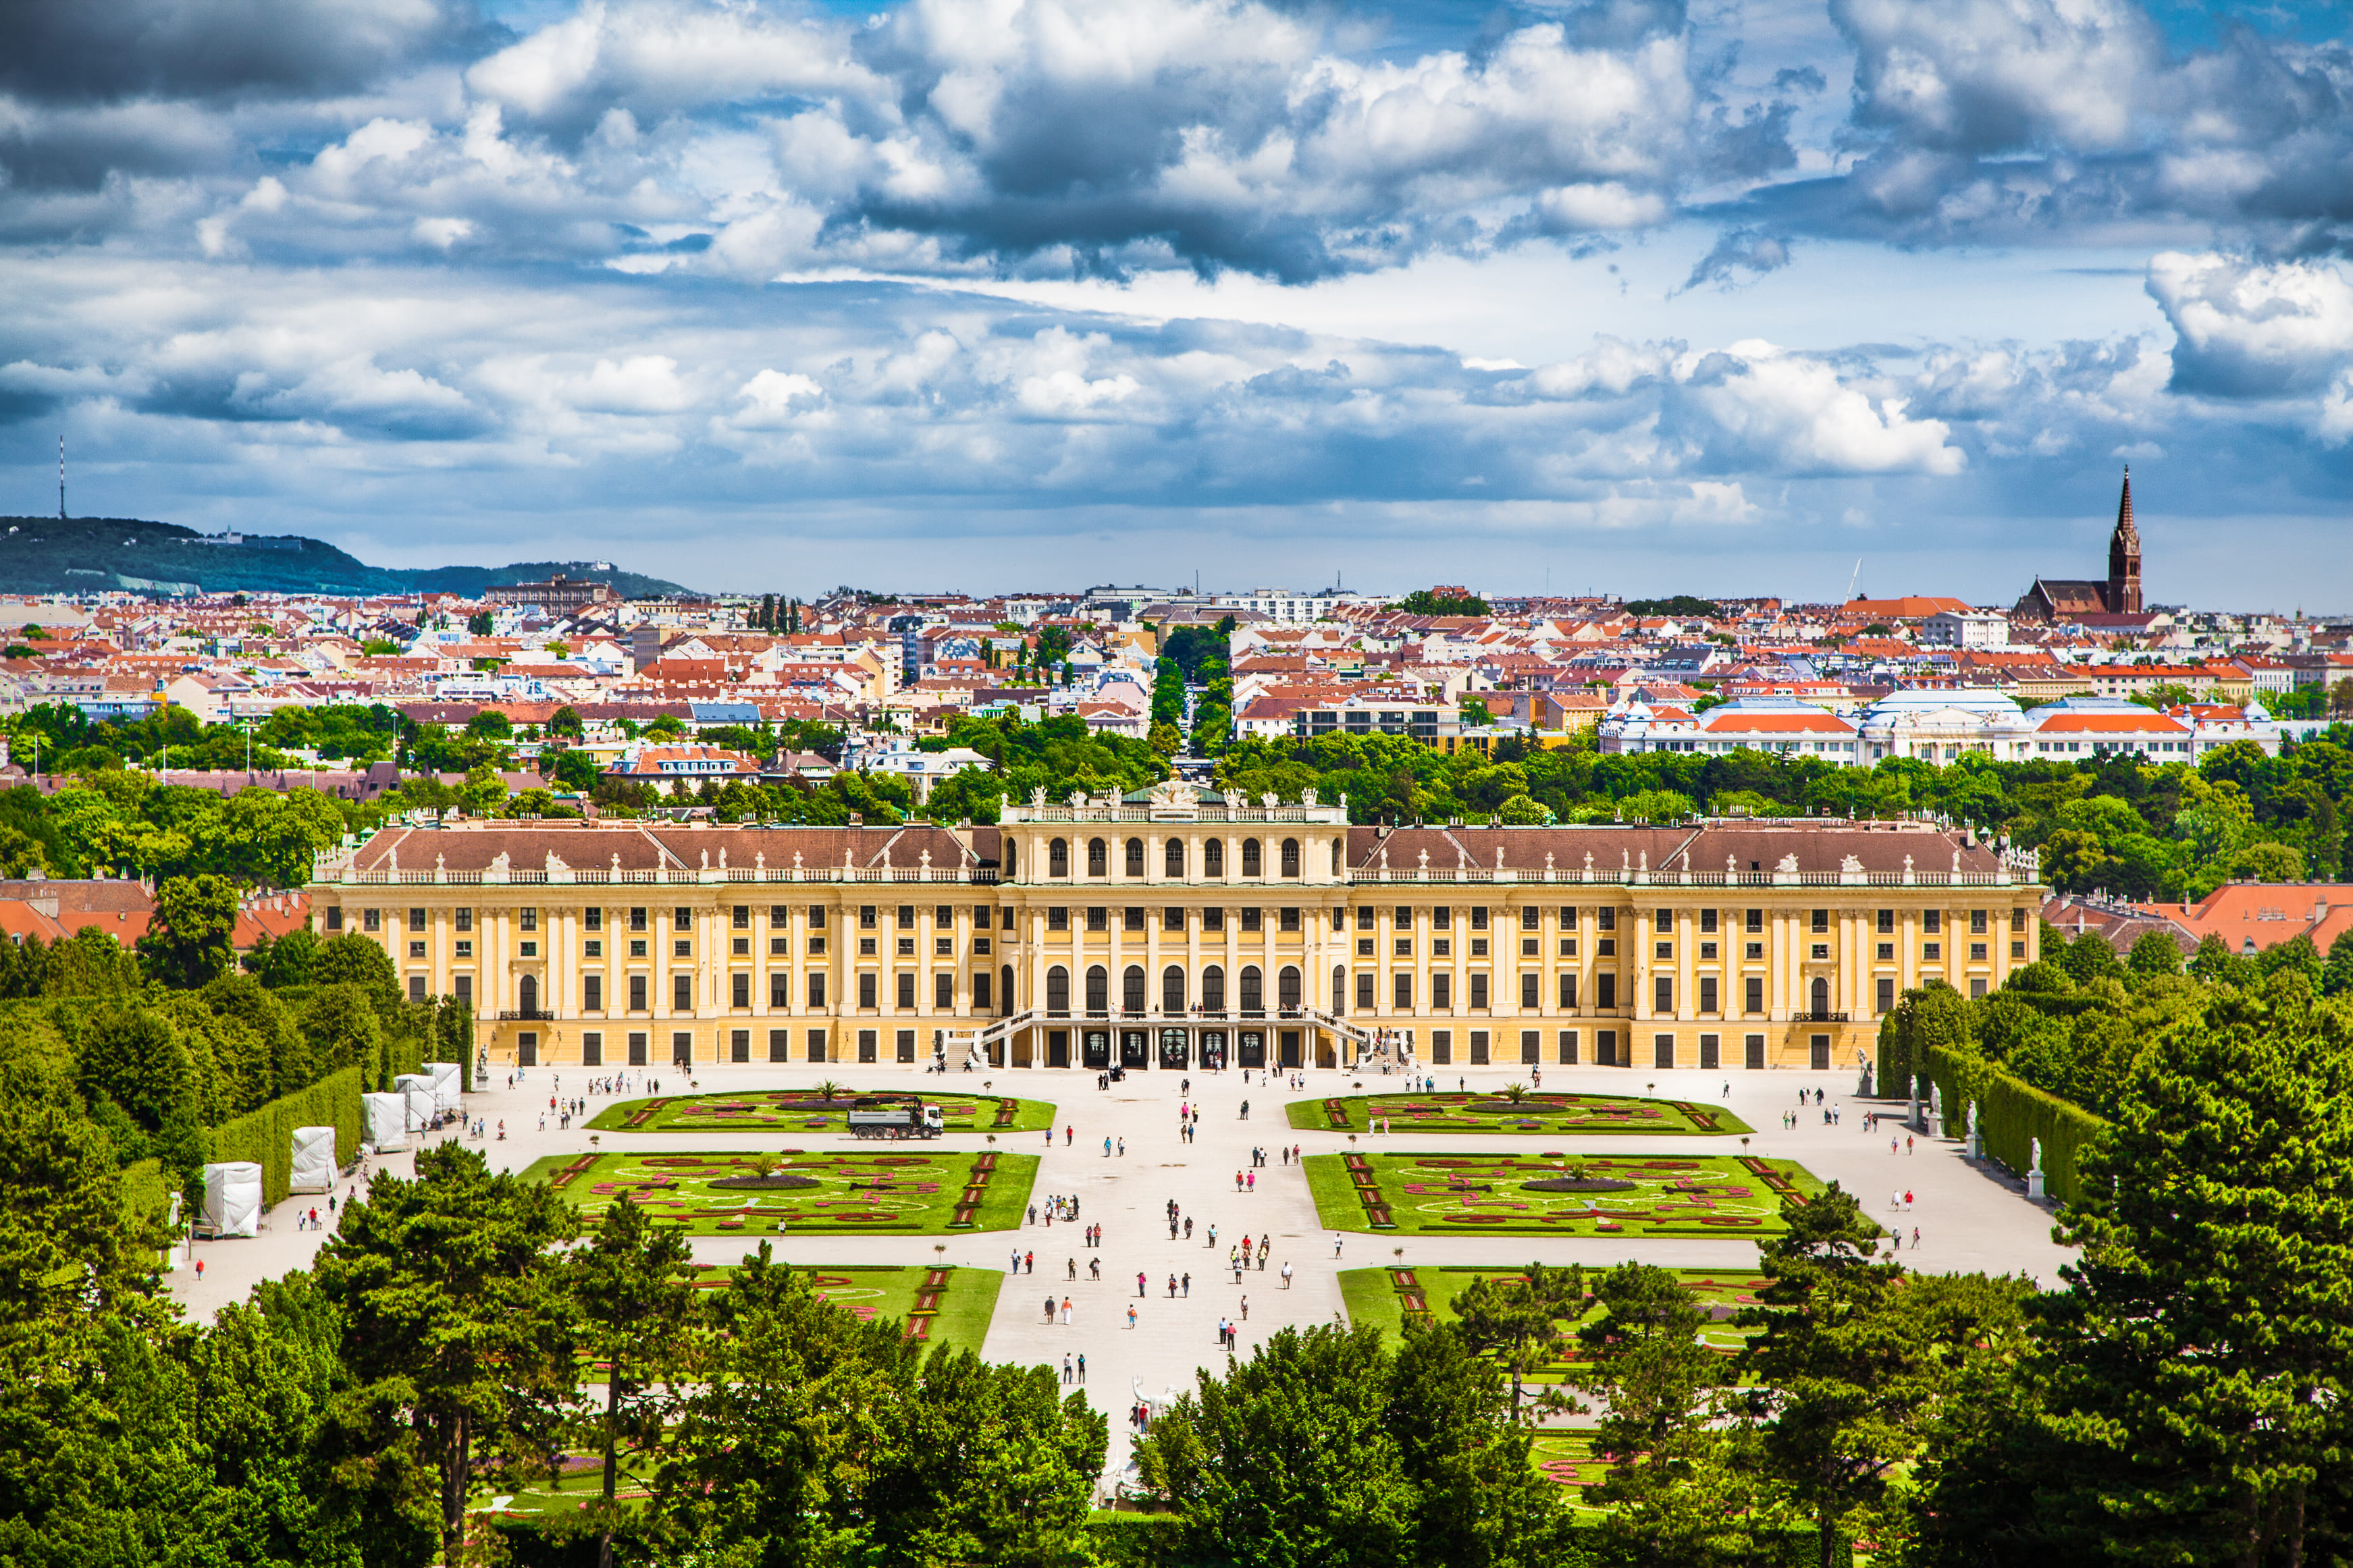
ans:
(266, 1137)
(2012, 1115)
(145, 1192)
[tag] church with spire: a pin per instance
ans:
(2055, 600)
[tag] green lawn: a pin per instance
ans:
(1732, 1197)
(894, 1188)
(1540, 1112)
(1385, 1298)
(940, 1306)
(800, 1110)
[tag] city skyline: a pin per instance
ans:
(1639, 299)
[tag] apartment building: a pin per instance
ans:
(1176, 929)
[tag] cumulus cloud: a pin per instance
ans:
(642, 248)
(75, 49)
(2248, 329)
(1757, 405)
(2013, 118)
(882, 389)
(1078, 136)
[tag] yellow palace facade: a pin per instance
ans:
(1176, 929)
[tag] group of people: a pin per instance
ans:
(1829, 1113)
(1064, 1207)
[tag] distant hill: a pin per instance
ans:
(88, 555)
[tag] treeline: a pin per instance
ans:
(452, 1343)
(2079, 1022)
(70, 741)
(2173, 831)
(151, 1065)
(122, 823)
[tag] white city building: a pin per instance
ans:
(1965, 629)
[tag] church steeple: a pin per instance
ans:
(2124, 558)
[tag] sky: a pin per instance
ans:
(1630, 296)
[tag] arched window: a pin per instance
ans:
(1251, 867)
(527, 995)
(1291, 856)
(1253, 996)
(1098, 858)
(1058, 992)
(1009, 858)
(1174, 868)
(1286, 988)
(1339, 855)
(1097, 990)
(1213, 990)
(1131, 989)
(1340, 988)
(1172, 990)
(1004, 992)
(1135, 856)
(1058, 857)
(1821, 995)
(1213, 857)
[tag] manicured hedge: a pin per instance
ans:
(145, 1194)
(2012, 1115)
(266, 1137)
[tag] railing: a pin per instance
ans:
(678, 877)
(1819, 1018)
(526, 1015)
(2017, 870)
(1338, 1026)
(1376, 876)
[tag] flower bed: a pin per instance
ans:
(1547, 1110)
(800, 1110)
(711, 1194)
(1732, 1197)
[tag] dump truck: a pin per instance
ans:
(876, 1117)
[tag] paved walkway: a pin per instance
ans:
(1969, 1217)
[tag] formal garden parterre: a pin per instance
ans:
(823, 1109)
(1389, 1297)
(907, 1191)
(1732, 1197)
(1517, 1110)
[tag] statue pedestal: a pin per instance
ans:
(1976, 1144)
(2034, 1184)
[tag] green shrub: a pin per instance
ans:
(1137, 1540)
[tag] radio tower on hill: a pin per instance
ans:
(61, 479)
